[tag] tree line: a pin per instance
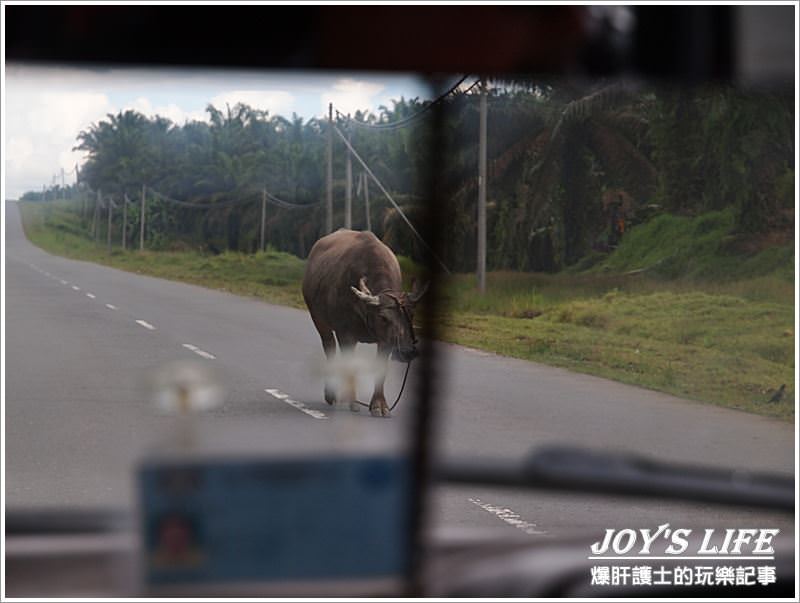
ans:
(563, 157)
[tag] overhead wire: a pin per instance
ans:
(393, 126)
(411, 118)
(390, 198)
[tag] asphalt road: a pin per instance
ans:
(78, 412)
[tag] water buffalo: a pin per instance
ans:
(353, 288)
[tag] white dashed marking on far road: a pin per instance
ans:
(146, 324)
(111, 306)
(90, 295)
(276, 393)
(198, 351)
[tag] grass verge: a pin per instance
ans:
(726, 341)
(271, 275)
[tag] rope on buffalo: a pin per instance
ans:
(402, 387)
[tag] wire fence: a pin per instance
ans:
(146, 212)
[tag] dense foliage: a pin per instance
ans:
(560, 156)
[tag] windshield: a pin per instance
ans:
(614, 270)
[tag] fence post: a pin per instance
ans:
(141, 222)
(124, 221)
(108, 233)
(263, 219)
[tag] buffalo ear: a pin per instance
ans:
(417, 292)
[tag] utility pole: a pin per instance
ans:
(124, 221)
(329, 190)
(141, 222)
(63, 189)
(482, 193)
(96, 214)
(348, 198)
(389, 197)
(366, 200)
(263, 218)
(110, 210)
(77, 189)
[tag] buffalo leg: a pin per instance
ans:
(378, 406)
(347, 348)
(329, 345)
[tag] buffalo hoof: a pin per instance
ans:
(379, 410)
(330, 396)
(355, 406)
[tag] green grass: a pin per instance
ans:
(702, 248)
(711, 347)
(719, 330)
(272, 275)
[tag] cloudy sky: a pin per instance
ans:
(46, 108)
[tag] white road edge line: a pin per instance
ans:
(92, 295)
(145, 324)
(199, 352)
(111, 306)
(510, 517)
(276, 393)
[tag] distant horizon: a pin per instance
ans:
(52, 105)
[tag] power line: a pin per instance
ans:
(407, 120)
(475, 83)
(388, 196)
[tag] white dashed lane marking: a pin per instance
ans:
(198, 351)
(276, 393)
(512, 518)
(188, 346)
